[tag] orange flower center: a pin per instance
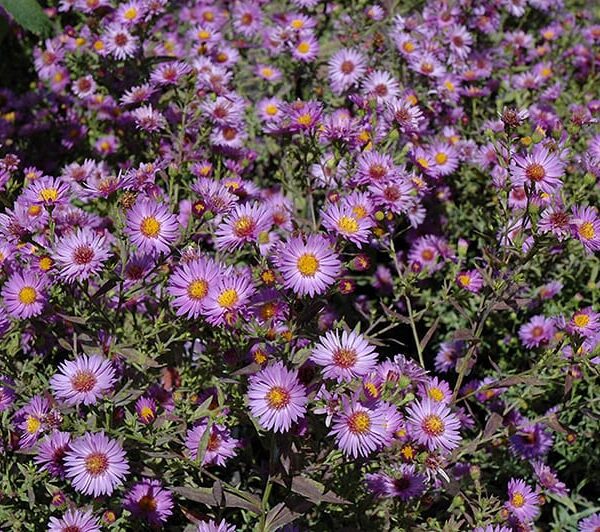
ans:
(83, 381)
(150, 227)
(96, 463)
(433, 425)
(278, 397)
(344, 358)
(359, 422)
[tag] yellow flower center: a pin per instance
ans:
(464, 279)
(359, 212)
(359, 423)
(581, 320)
(96, 464)
(423, 162)
(278, 397)
(449, 85)
(304, 119)
(34, 210)
(203, 35)
(146, 413)
(344, 358)
(150, 227)
(517, 499)
(371, 389)
(535, 172)
(433, 425)
(228, 298)
(27, 295)
(48, 194)
(303, 47)
(407, 452)
(197, 289)
(45, 263)
(271, 109)
(267, 72)
(346, 224)
(586, 230)
(260, 356)
(130, 13)
(308, 265)
(83, 381)
(244, 226)
(297, 23)
(33, 424)
(436, 394)
(408, 47)
(441, 158)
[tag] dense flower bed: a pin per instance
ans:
(300, 265)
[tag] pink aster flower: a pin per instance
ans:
(83, 380)
(548, 479)
(346, 68)
(522, 502)
(343, 220)
(148, 119)
(541, 169)
(150, 501)
(344, 357)
(434, 425)
(585, 227)
(277, 398)
(220, 446)
(24, 294)
(189, 285)
(51, 451)
(151, 226)
(81, 254)
(308, 267)
(358, 430)
(243, 225)
(374, 167)
(380, 85)
(95, 464)
(395, 195)
(538, 331)
(74, 520)
(227, 296)
(119, 42)
(169, 73)
(470, 280)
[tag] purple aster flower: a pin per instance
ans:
(585, 322)
(51, 451)
(219, 448)
(436, 390)
(434, 425)
(493, 528)
(306, 49)
(189, 285)
(358, 430)
(308, 267)
(148, 500)
(95, 464)
(343, 220)
(145, 408)
(522, 502)
(537, 332)
(151, 227)
(214, 526)
(227, 296)
(47, 191)
(25, 294)
(74, 521)
(470, 280)
(531, 440)
(585, 226)
(373, 167)
(81, 254)
(83, 380)
(7, 392)
(243, 225)
(120, 42)
(447, 355)
(31, 420)
(377, 484)
(406, 483)
(548, 479)
(395, 195)
(541, 169)
(380, 85)
(589, 524)
(346, 68)
(277, 398)
(344, 357)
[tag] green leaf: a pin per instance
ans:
(29, 14)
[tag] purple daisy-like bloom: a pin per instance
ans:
(7, 392)
(189, 285)
(585, 226)
(277, 398)
(243, 225)
(344, 221)
(229, 294)
(541, 169)
(406, 483)
(120, 42)
(74, 521)
(31, 420)
(470, 280)
(51, 451)
(150, 501)
(214, 526)
(585, 322)
(537, 332)
(95, 464)
(219, 448)
(589, 524)
(380, 85)
(83, 380)
(434, 425)
(308, 268)
(151, 227)
(145, 408)
(548, 479)
(344, 357)
(81, 254)
(436, 390)
(522, 502)
(306, 49)
(358, 430)
(493, 528)
(47, 191)
(346, 67)
(24, 294)
(531, 440)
